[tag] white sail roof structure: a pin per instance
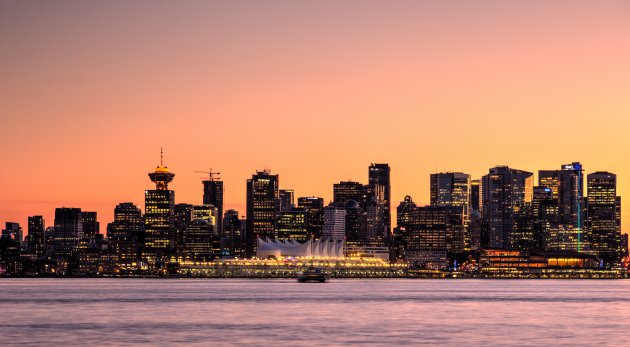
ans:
(291, 248)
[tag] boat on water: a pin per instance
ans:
(312, 274)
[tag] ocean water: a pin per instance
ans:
(187, 312)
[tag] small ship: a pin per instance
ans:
(312, 274)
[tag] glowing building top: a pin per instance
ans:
(161, 176)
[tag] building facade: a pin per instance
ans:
(262, 208)
(506, 203)
(604, 235)
(160, 233)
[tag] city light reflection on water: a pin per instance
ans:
(283, 312)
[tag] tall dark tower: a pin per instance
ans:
(91, 226)
(262, 208)
(567, 185)
(314, 208)
(68, 230)
(159, 222)
(506, 195)
(213, 195)
(604, 235)
(125, 232)
(379, 175)
(36, 236)
(350, 190)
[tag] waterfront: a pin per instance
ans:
(473, 312)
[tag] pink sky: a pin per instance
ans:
(313, 91)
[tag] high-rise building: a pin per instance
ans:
(160, 232)
(314, 208)
(199, 240)
(452, 189)
(506, 201)
(376, 211)
(209, 213)
(438, 231)
(334, 222)
(349, 190)
(407, 220)
(183, 216)
(10, 241)
(356, 223)
(262, 208)
(286, 200)
(475, 195)
(545, 215)
(68, 231)
(379, 175)
(91, 226)
(13, 231)
(213, 195)
(126, 232)
(234, 234)
(623, 244)
(567, 185)
(36, 239)
(292, 225)
(407, 213)
(603, 234)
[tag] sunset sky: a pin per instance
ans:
(314, 91)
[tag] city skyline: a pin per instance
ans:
(424, 87)
(419, 200)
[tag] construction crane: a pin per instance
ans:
(212, 175)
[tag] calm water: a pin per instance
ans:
(283, 312)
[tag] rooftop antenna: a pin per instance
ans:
(161, 156)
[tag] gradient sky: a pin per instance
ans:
(314, 91)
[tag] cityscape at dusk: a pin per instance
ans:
(334, 173)
(503, 224)
(424, 86)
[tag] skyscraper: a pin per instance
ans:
(379, 175)
(407, 220)
(10, 240)
(199, 240)
(286, 199)
(475, 195)
(407, 213)
(334, 222)
(314, 208)
(293, 225)
(213, 195)
(234, 238)
(603, 233)
(350, 190)
(355, 223)
(183, 216)
(506, 200)
(126, 232)
(437, 232)
(209, 213)
(452, 189)
(68, 230)
(262, 208)
(91, 226)
(159, 221)
(36, 235)
(545, 216)
(567, 187)
(13, 231)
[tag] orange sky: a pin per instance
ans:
(313, 91)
